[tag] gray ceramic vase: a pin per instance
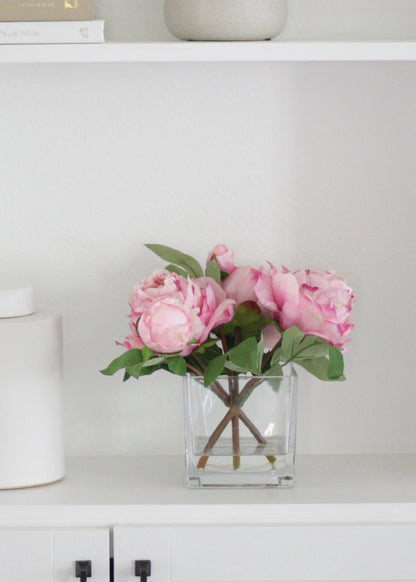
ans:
(225, 20)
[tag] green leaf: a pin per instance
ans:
(177, 365)
(260, 351)
(177, 258)
(177, 270)
(207, 355)
(127, 359)
(145, 368)
(314, 354)
(135, 371)
(336, 363)
(147, 353)
(249, 321)
(153, 362)
(214, 369)
(319, 368)
(275, 371)
(213, 270)
(296, 346)
(291, 339)
(276, 357)
(243, 358)
(126, 376)
(206, 345)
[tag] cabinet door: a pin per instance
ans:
(141, 543)
(26, 555)
(269, 553)
(73, 545)
(50, 555)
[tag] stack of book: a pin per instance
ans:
(49, 21)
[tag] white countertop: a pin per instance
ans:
(103, 491)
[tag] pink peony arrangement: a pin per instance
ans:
(235, 319)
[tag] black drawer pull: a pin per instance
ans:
(143, 568)
(83, 570)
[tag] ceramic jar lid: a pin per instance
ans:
(17, 302)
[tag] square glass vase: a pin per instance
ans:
(241, 430)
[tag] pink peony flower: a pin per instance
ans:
(271, 336)
(240, 284)
(170, 326)
(161, 283)
(215, 308)
(224, 257)
(175, 315)
(132, 341)
(318, 302)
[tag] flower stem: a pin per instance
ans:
(235, 424)
(193, 369)
(235, 401)
(234, 417)
(215, 436)
(222, 338)
(257, 434)
(269, 356)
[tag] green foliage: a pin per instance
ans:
(248, 320)
(129, 358)
(214, 369)
(207, 352)
(314, 354)
(177, 270)
(213, 270)
(177, 365)
(319, 367)
(245, 357)
(336, 364)
(139, 363)
(147, 353)
(185, 262)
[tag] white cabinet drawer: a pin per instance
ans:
(26, 555)
(43, 555)
(141, 543)
(71, 545)
(269, 553)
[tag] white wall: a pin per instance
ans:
(131, 20)
(301, 164)
(304, 164)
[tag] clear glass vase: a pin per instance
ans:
(241, 430)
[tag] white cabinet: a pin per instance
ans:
(221, 553)
(44, 555)
(268, 553)
(348, 519)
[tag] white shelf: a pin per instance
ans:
(176, 51)
(102, 491)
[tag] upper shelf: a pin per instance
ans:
(176, 51)
(316, 30)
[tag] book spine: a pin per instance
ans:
(45, 10)
(89, 31)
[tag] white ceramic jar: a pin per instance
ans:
(31, 419)
(225, 20)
